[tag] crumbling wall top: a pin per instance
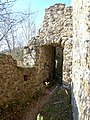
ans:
(57, 25)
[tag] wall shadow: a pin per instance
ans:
(75, 113)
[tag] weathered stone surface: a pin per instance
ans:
(81, 60)
(56, 31)
(60, 51)
(46, 64)
(57, 25)
(67, 62)
(29, 56)
(16, 82)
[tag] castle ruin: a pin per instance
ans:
(59, 53)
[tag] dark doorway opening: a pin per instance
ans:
(54, 70)
(52, 59)
(59, 64)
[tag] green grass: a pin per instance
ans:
(59, 107)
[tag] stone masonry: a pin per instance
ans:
(16, 83)
(60, 52)
(81, 60)
(74, 42)
(56, 31)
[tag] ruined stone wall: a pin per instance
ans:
(29, 57)
(81, 60)
(29, 54)
(67, 62)
(56, 31)
(54, 38)
(46, 64)
(16, 83)
(57, 25)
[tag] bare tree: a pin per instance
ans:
(28, 27)
(11, 23)
(15, 27)
(6, 24)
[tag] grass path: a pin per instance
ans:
(53, 105)
(37, 105)
(59, 107)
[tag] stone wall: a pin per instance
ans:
(29, 53)
(57, 25)
(67, 62)
(22, 83)
(81, 60)
(46, 64)
(16, 83)
(29, 56)
(56, 31)
(54, 58)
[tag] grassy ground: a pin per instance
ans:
(59, 107)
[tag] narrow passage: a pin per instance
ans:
(55, 105)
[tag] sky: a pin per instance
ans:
(38, 6)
